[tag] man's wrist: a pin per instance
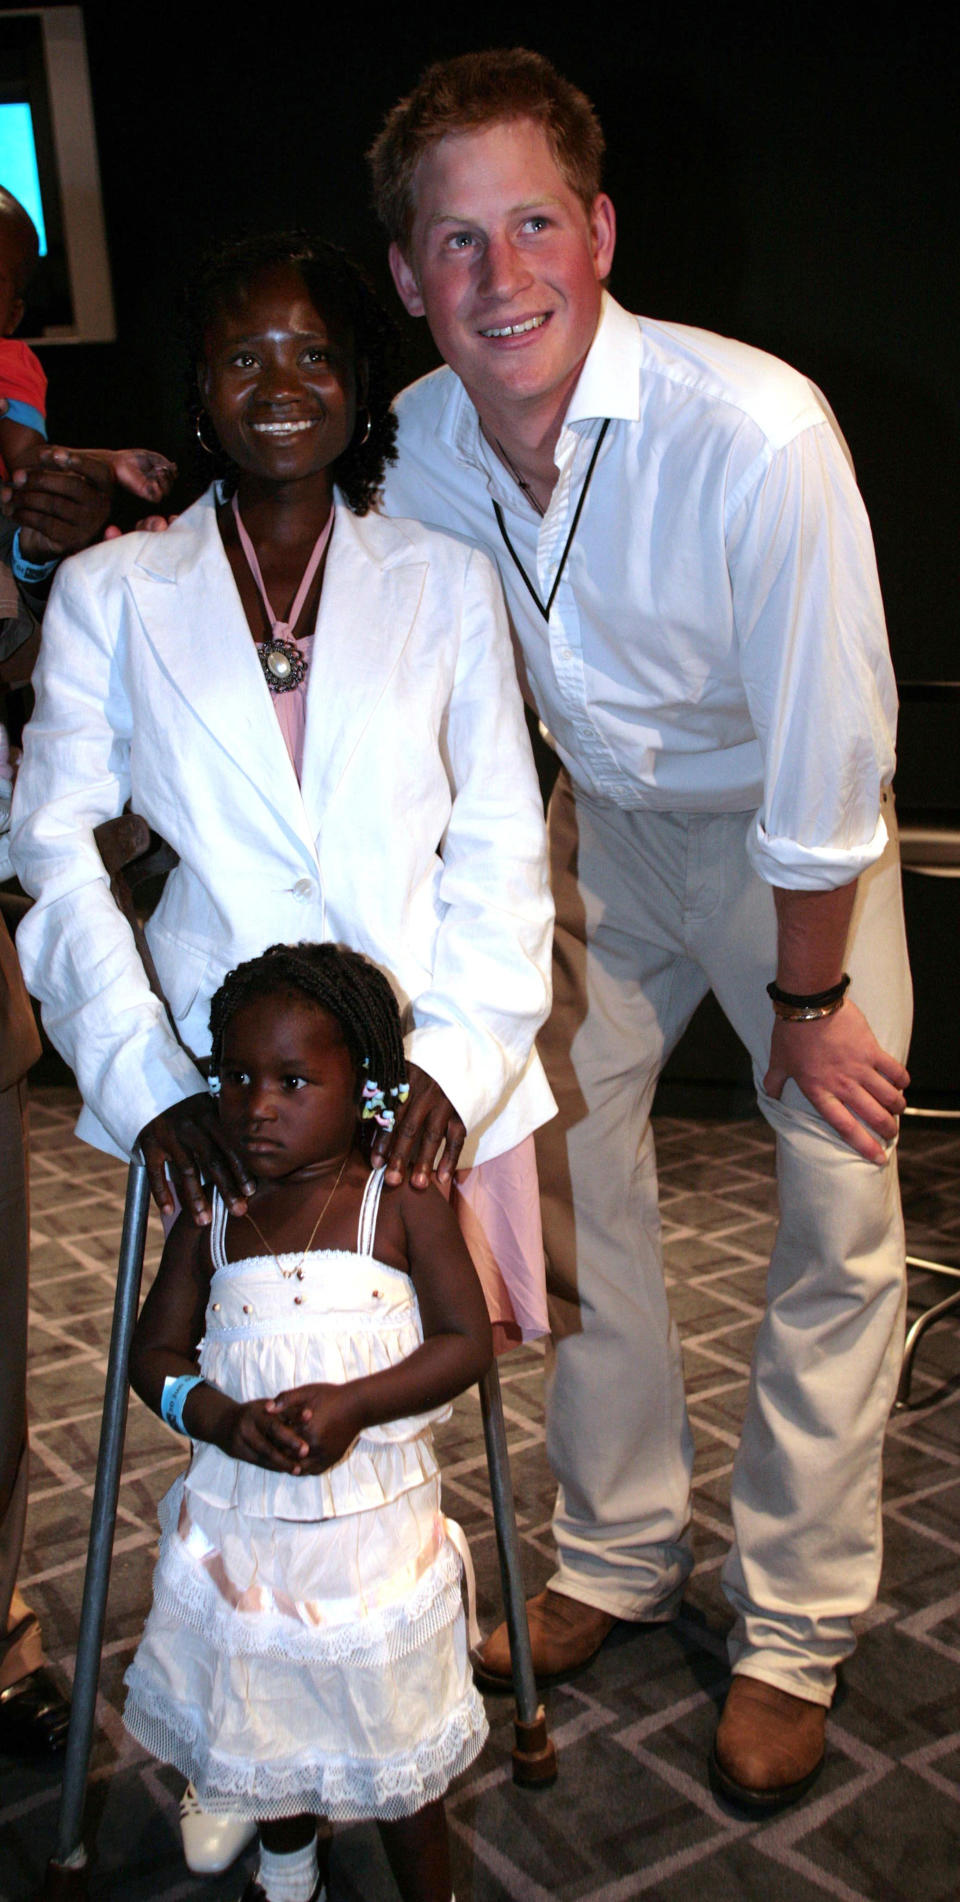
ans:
(793, 1007)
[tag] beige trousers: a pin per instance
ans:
(653, 910)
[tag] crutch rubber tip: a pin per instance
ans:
(64, 1883)
(534, 1755)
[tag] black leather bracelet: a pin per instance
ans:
(817, 1000)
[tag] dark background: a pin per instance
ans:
(784, 175)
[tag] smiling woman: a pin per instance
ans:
(269, 682)
(279, 383)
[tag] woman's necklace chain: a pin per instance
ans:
(297, 1268)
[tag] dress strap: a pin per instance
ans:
(369, 1210)
(218, 1230)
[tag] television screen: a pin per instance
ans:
(18, 163)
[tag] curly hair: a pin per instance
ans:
(337, 980)
(341, 292)
(464, 95)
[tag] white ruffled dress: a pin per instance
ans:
(307, 1650)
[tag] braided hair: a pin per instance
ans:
(339, 289)
(350, 989)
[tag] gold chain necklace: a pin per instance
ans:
(297, 1268)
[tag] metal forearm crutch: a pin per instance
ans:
(123, 842)
(67, 1870)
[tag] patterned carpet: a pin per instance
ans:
(631, 1813)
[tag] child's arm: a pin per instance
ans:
(145, 472)
(457, 1346)
(170, 1324)
(19, 444)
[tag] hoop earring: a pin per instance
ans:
(198, 432)
(367, 427)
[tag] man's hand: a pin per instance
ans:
(190, 1137)
(60, 504)
(425, 1122)
(851, 1082)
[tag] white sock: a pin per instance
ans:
(290, 1878)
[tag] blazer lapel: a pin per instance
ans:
(187, 598)
(372, 586)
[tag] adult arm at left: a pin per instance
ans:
(60, 504)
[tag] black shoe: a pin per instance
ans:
(34, 1717)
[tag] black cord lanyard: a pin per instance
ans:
(498, 512)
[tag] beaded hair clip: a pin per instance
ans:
(374, 1106)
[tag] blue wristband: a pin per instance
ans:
(28, 571)
(176, 1387)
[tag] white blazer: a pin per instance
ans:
(417, 835)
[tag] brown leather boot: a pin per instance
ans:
(564, 1635)
(769, 1745)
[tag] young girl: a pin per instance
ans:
(306, 1652)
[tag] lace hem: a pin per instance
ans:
(344, 1788)
(185, 1593)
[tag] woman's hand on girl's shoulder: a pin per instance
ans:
(427, 1138)
(190, 1139)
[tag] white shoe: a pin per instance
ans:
(211, 1843)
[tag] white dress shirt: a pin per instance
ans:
(716, 642)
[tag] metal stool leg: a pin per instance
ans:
(534, 1755)
(916, 1333)
(66, 1872)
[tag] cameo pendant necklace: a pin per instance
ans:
(280, 658)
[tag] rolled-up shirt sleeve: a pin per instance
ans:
(815, 662)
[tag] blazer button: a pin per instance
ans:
(302, 889)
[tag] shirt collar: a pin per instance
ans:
(609, 385)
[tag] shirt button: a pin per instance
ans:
(302, 889)
(566, 653)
